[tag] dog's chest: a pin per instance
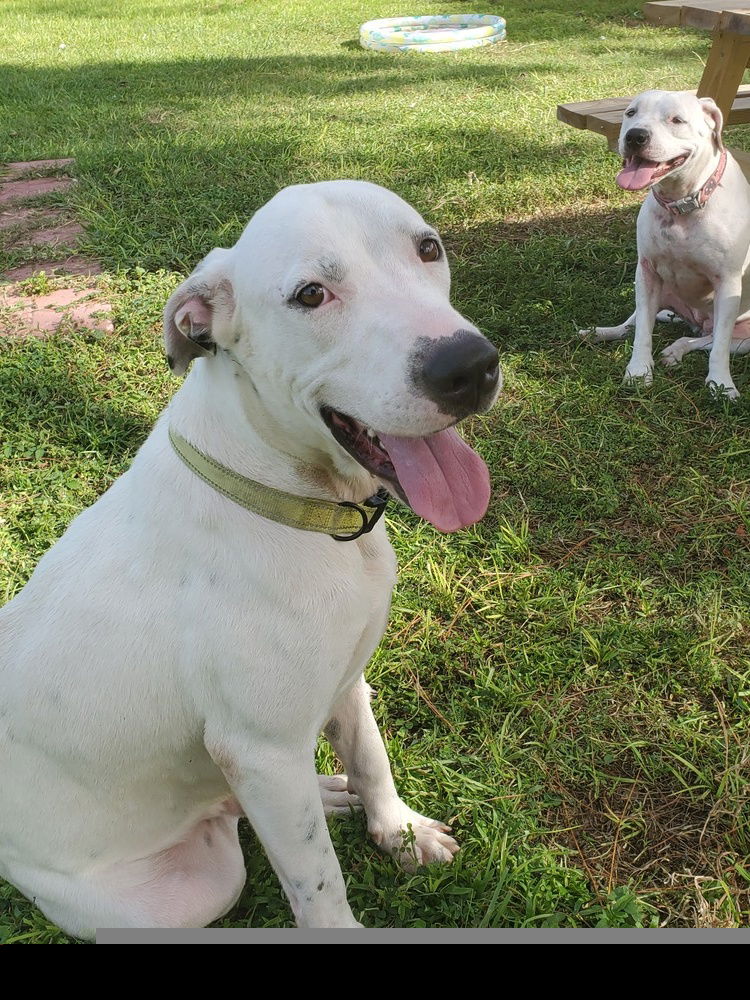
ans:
(293, 626)
(683, 256)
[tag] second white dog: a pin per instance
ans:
(693, 234)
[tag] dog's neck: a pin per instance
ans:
(220, 413)
(702, 165)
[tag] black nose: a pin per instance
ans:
(459, 373)
(636, 137)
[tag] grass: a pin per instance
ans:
(568, 682)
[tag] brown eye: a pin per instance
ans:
(677, 121)
(311, 296)
(429, 250)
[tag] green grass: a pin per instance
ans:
(568, 682)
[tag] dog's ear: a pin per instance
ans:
(190, 315)
(714, 115)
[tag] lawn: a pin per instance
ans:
(568, 683)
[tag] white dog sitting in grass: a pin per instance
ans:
(175, 655)
(693, 234)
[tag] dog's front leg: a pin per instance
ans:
(279, 793)
(726, 310)
(410, 837)
(648, 288)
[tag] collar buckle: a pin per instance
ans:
(684, 206)
(376, 504)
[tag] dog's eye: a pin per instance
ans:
(677, 121)
(429, 250)
(312, 296)
(630, 112)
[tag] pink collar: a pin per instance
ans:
(683, 206)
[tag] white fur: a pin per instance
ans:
(173, 658)
(700, 260)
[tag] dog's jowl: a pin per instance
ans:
(172, 660)
(693, 234)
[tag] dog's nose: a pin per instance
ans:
(460, 372)
(636, 137)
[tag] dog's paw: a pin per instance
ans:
(674, 354)
(668, 316)
(334, 792)
(414, 840)
(638, 374)
(726, 389)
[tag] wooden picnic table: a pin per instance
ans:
(730, 49)
(722, 77)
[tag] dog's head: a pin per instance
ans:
(333, 306)
(667, 133)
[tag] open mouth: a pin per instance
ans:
(638, 173)
(363, 444)
(439, 476)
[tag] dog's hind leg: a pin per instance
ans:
(410, 837)
(674, 354)
(190, 884)
(598, 334)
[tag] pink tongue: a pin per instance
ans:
(444, 481)
(636, 174)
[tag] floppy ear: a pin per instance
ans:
(190, 315)
(711, 111)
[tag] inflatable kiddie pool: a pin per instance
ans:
(432, 33)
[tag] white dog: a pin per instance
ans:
(175, 655)
(693, 234)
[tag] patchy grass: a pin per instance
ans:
(568, 682)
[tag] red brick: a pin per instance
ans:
(15, 190)
(25, 166)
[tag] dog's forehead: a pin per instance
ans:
(666, 103)
(328, 213)
(329, 232)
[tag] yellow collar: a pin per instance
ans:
(343, 521)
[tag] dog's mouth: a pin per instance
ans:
(363, 444)
(439, 476)
(638, 173)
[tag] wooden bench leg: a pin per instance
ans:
(725, 67)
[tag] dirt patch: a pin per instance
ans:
(63, 235)
(41, 315)
(71, 265)
(27, 314)
(16, 217)
(20, 190)
(629, 832)
(24, 225)
(22, 167)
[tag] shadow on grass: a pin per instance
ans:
(556, 20)
(527, 20)
(357, 71)
(41, 395)
(532, 282)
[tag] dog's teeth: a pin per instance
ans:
(371, 433)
